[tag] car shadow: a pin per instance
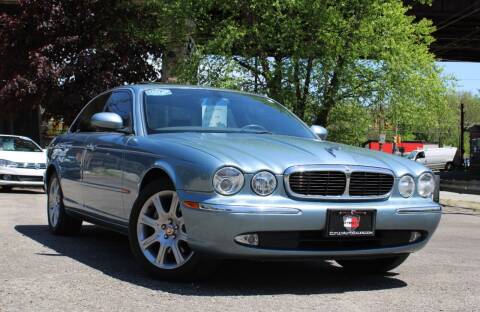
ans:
(109, 253)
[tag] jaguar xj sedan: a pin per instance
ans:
(193, 174)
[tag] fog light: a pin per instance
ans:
(247, 239)
(414, 236)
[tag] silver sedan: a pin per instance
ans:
(194, 174)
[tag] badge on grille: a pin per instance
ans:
(351, 222)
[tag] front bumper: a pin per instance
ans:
(213, 228)
(21, 177)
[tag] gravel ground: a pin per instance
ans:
(95, 271)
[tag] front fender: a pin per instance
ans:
(185, 175)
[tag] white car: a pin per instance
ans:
(440, 158)
(22, 162)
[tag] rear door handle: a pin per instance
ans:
(90, 147)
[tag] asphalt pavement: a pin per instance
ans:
(95, 271)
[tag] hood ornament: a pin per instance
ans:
(331, 150)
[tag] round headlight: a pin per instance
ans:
(426, 184)
(228, 180)
(264, 183)
(406, 186)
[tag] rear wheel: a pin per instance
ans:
(158, 236)
(379, 265)
(59, 222)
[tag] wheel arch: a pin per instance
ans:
(51, 169)
(156, 173)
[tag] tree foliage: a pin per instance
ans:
(358, 67)
(61, 53)
(317, 57)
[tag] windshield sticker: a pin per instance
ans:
(215, 116)
(158, 92)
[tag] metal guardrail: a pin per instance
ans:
(459, 186)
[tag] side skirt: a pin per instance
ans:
(102, 221)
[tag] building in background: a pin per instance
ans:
(474, 146)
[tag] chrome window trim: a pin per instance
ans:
(347, 169)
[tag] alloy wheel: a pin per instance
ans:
(54, 202)
(161, 231)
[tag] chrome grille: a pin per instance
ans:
(319, 183)
(338, 182)
(31, 165)
(370, 184)
(29, 178)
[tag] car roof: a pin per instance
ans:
(15, 136)
(149, 85)
(20, 137)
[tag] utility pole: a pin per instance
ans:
(256, 76)
(462, 131)
(395, 141)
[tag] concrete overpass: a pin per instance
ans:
(458, 28)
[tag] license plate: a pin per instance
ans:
(350, 223)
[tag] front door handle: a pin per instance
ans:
(90, 147)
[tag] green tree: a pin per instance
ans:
(59, 54)
(322, 53)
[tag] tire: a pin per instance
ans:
(160, 246)
(6, 188)
(59, 222)
(379, 265)
(449, 166)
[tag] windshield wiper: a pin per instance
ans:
(256, 131)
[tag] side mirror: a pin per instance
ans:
(319, 131)
(105, 120)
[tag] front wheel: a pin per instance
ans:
(379, 265)
(449, 166)
(158, 236)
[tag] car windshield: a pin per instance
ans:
(15, 144)
(204, 110)
(412, 155)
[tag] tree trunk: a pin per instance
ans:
(301, 93)
(330, 94)
(329, 97)
(275, 82)
(321, 117)
(176, 53)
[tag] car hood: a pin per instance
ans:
(24, 157)
(254, 152)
